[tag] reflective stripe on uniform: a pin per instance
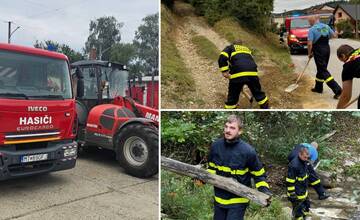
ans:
(319, 80)
(225, 68)
(258, 173)
(329, 79)
(290, 180)
(236, 75)
(262, 183)
(291, 188)
(230, 106)
(225, 54)
(231, 201)
(211, 171)
(315, 182)
(302, 178)
(303, 196)
(240, 52)
(228, 169)
(263, 101)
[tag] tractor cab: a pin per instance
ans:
(99, 82)
(108, 119)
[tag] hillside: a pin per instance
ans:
(190, 75)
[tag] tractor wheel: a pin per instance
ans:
(137, 150)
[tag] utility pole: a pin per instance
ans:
(10, 33)
(357, 23)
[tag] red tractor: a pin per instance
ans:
(110, 120)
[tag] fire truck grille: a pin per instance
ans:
(30, 167)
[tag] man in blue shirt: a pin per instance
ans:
(319, 48)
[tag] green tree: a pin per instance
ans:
(254, 14)
(104, 33)
(147, 46)
(345, 28)
(72, 55)
(123, 53)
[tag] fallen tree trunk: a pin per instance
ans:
(326, 178)
(326, 136)
(225, 183)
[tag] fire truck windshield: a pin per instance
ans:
(24, 76)
(299, 23)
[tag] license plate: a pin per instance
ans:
(33, 158)
(305, 47)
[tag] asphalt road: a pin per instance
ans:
(97, 188)
(335, 68)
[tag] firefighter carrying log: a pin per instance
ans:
(237, 64)
(232, 157)
(300, 174)
(319, 48)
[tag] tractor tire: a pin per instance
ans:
(137, 150)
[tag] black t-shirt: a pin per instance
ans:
(351, 70)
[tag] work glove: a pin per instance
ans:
(198, 182)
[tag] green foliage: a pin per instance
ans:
(205, 48)
(254, 14)
(345, 27)
(72, 55)
(272, 133)
(181, 198)
(273, 212)
(353, 170)
(146, 43)
(104, 33)
(168, 3)
(123, 53)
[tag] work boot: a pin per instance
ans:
(318, 87)
(324, 196)
(265, 105)
(336, 96)
(334, 86)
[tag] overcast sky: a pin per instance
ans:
(281, 5)
(67, 21)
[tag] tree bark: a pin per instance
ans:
(228, 184)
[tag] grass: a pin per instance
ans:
(353, 170)
(205, 48)
(263, 47)
(181, 198)
(173, 69)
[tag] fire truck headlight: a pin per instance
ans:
(71, 152)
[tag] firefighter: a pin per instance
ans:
(300, 174)
(313, 160)
(313, 152)
(232, 157)
(319, 48)
(237, 64)
(351, 70)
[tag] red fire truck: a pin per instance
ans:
(297, 28)
(37, 112)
